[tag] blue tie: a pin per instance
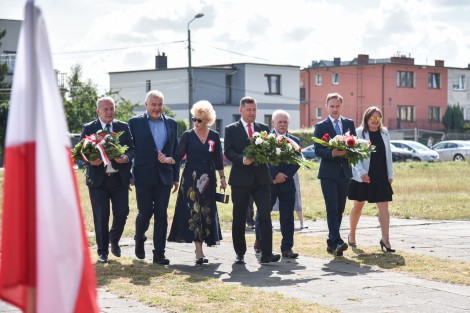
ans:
(337, 129)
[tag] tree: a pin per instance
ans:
(453, 118)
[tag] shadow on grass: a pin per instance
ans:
(380, 259)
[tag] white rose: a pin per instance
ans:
(289, 146)
(338, 138)
(271, 135)
(278, 151)
(255, 134)
(258, 141)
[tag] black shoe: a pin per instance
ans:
(160, 259)
(240, 259)
(115, 249)
(200, 261)
(140, 249)
(351, 244)
(384, 247)
(103, 258)
(204, 260)
(257, 246)
(290, 254)
(270, 258)
(331, 250)
(340, 248)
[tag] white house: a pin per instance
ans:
(273, 86)
(458, 91)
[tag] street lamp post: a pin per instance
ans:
(190, 70)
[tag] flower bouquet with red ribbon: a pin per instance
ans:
(272, 149)
(101, 145)
(357, 149)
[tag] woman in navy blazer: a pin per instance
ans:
(372, 178)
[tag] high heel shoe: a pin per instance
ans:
(384, 247)
(351, 244)
(200, 261)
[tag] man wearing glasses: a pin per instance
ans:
(153, 132)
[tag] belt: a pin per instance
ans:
(111, 174)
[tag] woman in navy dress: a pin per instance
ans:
(372, 178)
(196, 218)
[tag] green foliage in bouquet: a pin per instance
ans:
(88, 149)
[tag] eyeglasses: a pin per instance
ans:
(375, 118)
(199, 120)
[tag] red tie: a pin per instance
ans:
(250, 130)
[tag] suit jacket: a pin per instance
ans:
(285, 168)
(147, 169)
(362, 167)
(331, 167)
(235, 141)
(96, 173)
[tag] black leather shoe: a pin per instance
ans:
(257, 246)
(270, 258)
(340, 248)
(331, 250)
(240, 259)
(290, 254)
(140, 249)
(160, 259)
(116, 250)
(103, 258)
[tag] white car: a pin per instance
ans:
(419, 151)
(453, 150)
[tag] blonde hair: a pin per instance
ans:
(205, 108)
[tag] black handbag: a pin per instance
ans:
(222, 197)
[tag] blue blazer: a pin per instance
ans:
(96, 173)
(147, 169)
(331, 167)
(285, 168)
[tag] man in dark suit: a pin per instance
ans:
(153, 132)
(110, 182)
(334, 173)
(248, 180)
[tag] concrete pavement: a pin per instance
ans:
(331, 282)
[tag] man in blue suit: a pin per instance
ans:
(283, 187)
(153, 132)
(334, 173)
(109, 183)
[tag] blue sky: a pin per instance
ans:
(118, 35)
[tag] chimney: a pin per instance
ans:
(402, 59)
(363, 59)
(161, 61)
(337, 61)
(438, 63)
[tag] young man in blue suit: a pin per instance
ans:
(153, 132)
(283, 187)
(334, 173)
(109, 183)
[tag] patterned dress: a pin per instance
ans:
(196, 217)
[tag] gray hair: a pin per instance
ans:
(103, 99)
(280, 112)
(205, 108)
(154, 94)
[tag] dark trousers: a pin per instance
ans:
(240, 199)
(335, 192)
(286, 194)
(112, 190)
(152, 200)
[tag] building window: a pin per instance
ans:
(268, 119)
(318, 112)
(8, 58)
(318, 79)
(458, 82)
(405, 79)
(335, 79)
(273, 84)
(148, 85)
(434, 114)
(302, 94)
(228, 89)
(434, 80)
(236, 117)
(406, 113)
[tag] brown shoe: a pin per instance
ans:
(257, 246)
(290, 254)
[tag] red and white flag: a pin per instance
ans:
(45, 261)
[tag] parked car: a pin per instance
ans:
(309, 152)
(453, 150)
(401, 155)
(419, 151)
